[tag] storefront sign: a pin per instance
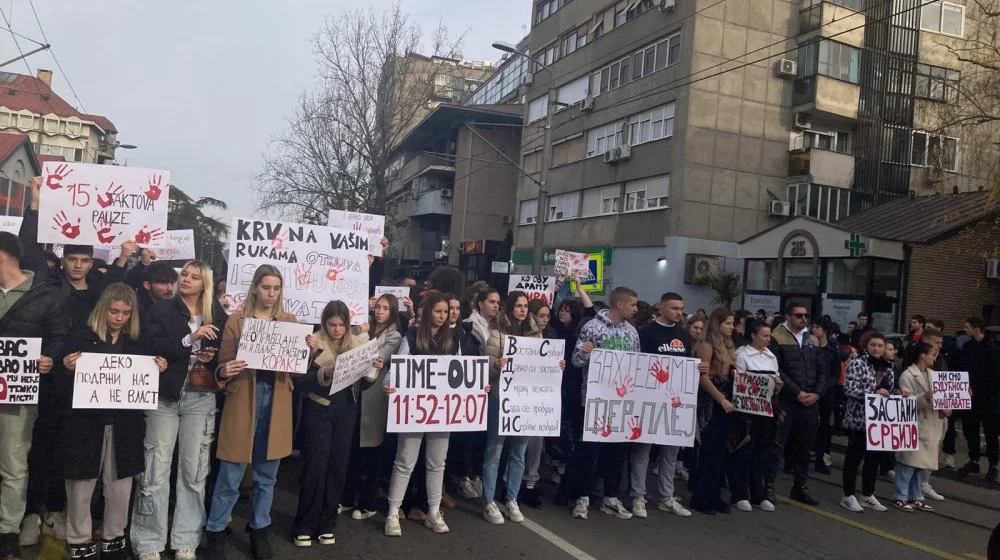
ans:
(768, 302)
(856, 245)
(799, 247)
(499, 267)
(843, 311)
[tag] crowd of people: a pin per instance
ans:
(222, 429)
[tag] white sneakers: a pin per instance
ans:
(581, 508)
(639, 508)
(871, 502)
(744, 505)
(436, 523)
(362, 514)
(850, 503)
(949, 461)
(31, 530)
(928, 491)
(466, 490)
(673, 505)
(766, 505)
(492, 514)
(186, 554)
(392, 528)
(514, 512)
(614, 507)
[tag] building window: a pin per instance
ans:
(532, 161)
(603, 138)
(643, 62)
(647, 194)
(821, 139)
(638, 8)
(4, 119)
(528, 212)
(568, 43)
(655, 124)
(72, 128)
(937, 83)
(572, 92)
(943, 17)
(563, 207)
(537, 108)
(934, 150)
(620, 18)
(546, 9)
(829, 58)
(602, 201)
(819, 201)
(26, 121)
(51, 125)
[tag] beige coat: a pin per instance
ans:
(929, 422)
(494, 345)
(236, 430)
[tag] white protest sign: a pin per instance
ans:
(116, 381)
(176, 245)
(317, 263)
(572, 265)
(353, 365)
(951, 390)
(531, 387)
(274, 345)
(648, 398)
(535, 287)
(85, 204)
(371, 224)
(438, 393)
(752, 392)
(891, 423)
(19, 370)
(399, 291)
(11, 224)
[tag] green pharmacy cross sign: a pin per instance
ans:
(855, 245)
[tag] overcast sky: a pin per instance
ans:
(202, 86)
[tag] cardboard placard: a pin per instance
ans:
(19, 370)
(352, 365)
(274, 345)
(371, 224)
(752, 392)
(86, 204)
(176, 245)
(648, 398)
(535, 287)
(11, 224)
(116, 381)
(891, 423)
(571, 265)
(317, 263)
(531, 387)
(951, 390)
(438, 393)
(399, 291)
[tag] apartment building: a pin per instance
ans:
(428, 81)
(681, 127)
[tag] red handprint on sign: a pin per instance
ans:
(105, 236)
(64, 226)
(109, 197)
(635, 424)
(333, 273)
(143, 237)
(54, 180)
(302, 275)
(627, 384)
(154, 191)
(675, 400)
(754, 385)
(661, 374)
(741, 382)
(278, 242)
(605, 427)
(356, 309)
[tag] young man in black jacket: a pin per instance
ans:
(152, 280)
(30, 307)
(981, 357)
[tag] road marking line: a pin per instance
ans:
(974, 556)
(557, 541)
(872, 530)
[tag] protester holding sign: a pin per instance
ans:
(31, 308)
(328, 427)
(365, 466)
(96, 443)
(916, 380)
(868, 372)
(182, 331)
(541, 312)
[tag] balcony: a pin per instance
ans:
(432, 202)
(828, 99)
(839, 19)
(822, 167)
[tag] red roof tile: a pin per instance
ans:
(10, 142)
(19, 92)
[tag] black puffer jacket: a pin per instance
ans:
(982, 360)
(799, 366)
(41, 313)
(164, 327)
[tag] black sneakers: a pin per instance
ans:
(86, 551)
(972, 467)
(801, 494)
(10, 548)
(260, 546)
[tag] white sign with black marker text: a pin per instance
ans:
(438, 393)
(116, 381)
(531, 387)
(19, 370)
(274, 345)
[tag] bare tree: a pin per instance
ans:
(335, 150)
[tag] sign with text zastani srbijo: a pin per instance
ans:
(85, 204)
(317, 264)
(891, 423)
(438, 393)
(19, 370)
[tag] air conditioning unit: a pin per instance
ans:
(779, 208)
(697, 267)
(625, 152)
(446, 193)
(802, 120)
(611, 155)
(529, 220)
(527, 78)
(993, 269)
(667, 5)
(507, 220)
(785, 68)
(587, 104)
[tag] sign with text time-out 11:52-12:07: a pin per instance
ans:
(438, 393)
(85, 204)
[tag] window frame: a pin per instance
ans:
(941, 6)
(632, 67)
(71, 124)
(529, 218)
(641, 191)
(558, 202)
(926, 156)
(948, 83)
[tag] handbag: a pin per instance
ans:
(202, 379)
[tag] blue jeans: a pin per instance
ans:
(188, 424)
(491, 459)
(907, 483)
(265, 474)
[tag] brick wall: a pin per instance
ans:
(947, 280)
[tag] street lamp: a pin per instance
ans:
(536, 256)
(125, 146)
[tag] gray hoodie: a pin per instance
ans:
(607, 335)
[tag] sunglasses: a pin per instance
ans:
(800, 315)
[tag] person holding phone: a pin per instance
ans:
(181, 330)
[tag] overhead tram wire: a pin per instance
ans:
(56, 60)
(31, 73)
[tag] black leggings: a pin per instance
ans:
(857, 453)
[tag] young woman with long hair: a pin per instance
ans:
(328, 427)
(182, 331)
(714, 409)
(910, 465)
(105, 444)
(256, 426)
(363, 473)
(531, 495)
(432, 337)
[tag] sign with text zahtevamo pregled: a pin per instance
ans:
(116, 381)
(648, 398)
(891, 423)
(317, 264)
(274, 345)
(438, 393)
(531, 387)
(19, 370)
